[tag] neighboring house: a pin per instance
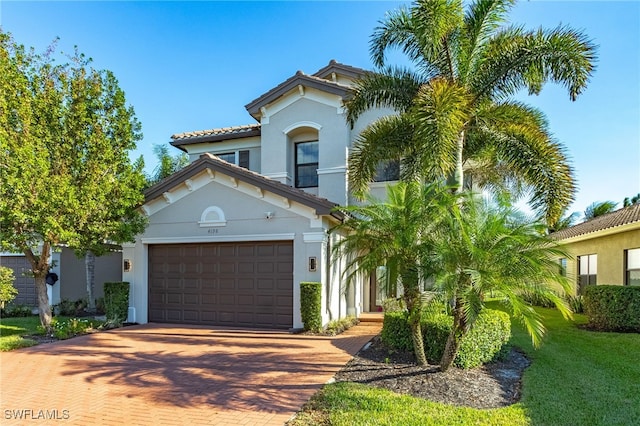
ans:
(604, 250)
(72, 283)
(232, 235)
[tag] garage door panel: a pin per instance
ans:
(234, 284)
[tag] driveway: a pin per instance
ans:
(171, 375)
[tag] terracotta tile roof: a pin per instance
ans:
(340, 68)
(620, 217)
(210, 161)
(216, 134)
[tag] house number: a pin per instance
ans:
(212, 231)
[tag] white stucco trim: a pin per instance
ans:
(299, 124)
(314, 237)
(219, 238)
(328, 99)
(220, 221)
(332, 170)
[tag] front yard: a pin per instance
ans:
(577, 377)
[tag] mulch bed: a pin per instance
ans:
(493, 385)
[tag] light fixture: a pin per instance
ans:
(126, 265)
(269, 215)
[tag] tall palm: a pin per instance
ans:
(456, 114)
(599, 208)
(167, 164)
(483, 249)
(396, 234)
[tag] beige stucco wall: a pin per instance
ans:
(610, 250)
(73, 282)
(244, 209)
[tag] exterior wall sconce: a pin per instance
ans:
(126, 265)
(313, 264)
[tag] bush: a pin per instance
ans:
(16, 311)
(7, 291)
(613, 307)
(311, 306)
(116, 301)
(336, 327)
(392, 305)
(576, 303)
(65, 329)
(396, 331)
(535, 299)
(485, 341)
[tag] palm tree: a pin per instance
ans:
(167, 164)
(456, 114)
(396, 234)
(631, 201)
(566, 221)
(483, 249)
(599, 208)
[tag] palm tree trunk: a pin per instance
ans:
(90, 263)
(458, 330)
(418, 342)
(459, 172)
(414, 304)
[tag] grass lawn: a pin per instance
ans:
(11, 330)
(577, 377)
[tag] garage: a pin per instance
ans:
(25, 284)
(240, 284)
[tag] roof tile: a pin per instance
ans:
(620, 217)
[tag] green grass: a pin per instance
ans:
(11, 330)
(577, 377)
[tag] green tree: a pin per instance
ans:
(599, 208)
(66, 132)
(167, 164)
(456, 114)
(566, 221)
(629, 201)
(482, 249)
(7, 291)
(396, 234)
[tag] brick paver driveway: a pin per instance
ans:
(171, 375)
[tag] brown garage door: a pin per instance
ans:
(25, 285)
(231, 284)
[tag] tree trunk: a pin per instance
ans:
(458, 330)
(90, 263)
(40, 268)
(459, 173)
(418, 341)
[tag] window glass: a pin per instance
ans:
(633, 267)
(229, 157)
(387, 171)
(563, 266)
(307, 164)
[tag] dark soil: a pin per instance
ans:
(493, 385)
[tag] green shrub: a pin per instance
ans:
(485, 341)
(535, 299)
(396, 332)
(7, 291)
(336, 327)
(65, 329)
(100, 305)
(613, 307)
(311, 306)
(65, 308)
(116, 301)
(392, 305)
(11, 310)
(576, 303)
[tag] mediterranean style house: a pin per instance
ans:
(604, 250)
(232, 235)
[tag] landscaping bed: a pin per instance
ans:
(494, 385)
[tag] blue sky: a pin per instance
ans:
(194, 65)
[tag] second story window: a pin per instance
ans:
(307, 164)
(239, 158)
(387, 171)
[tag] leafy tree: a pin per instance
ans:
(456, 113)
(631, 201)
(7, 291)
(65, 134)
(167, 164)
(482, 249)
(396, 234)
(599, 208)
(566, 221)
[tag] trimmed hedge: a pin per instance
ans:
(311, 306)
(485, 341)
(116, 301)
(613, 307)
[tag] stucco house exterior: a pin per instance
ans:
(71, 271)
(232, 235)
(604, 250)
